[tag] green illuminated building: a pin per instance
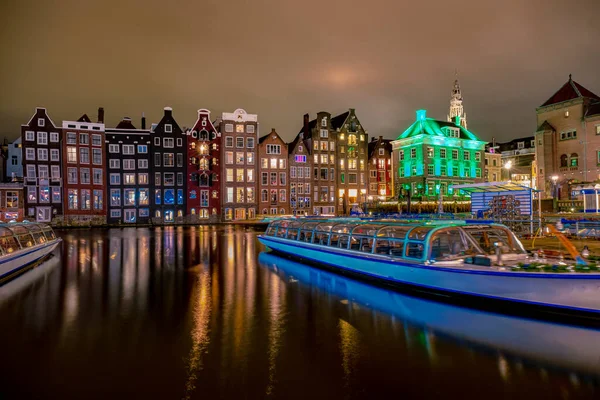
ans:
(431, 155)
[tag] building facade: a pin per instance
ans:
(300, 175)
(12, 202)
(41, 147)
(432, 155)
(203, 170)
(14, 161)
(128, 159)
(567, 140)
(352, 154)
(83, 164)
(518, 156)
(239, 131)
(273, 181)
(168, 183)
(380, 169)
(492, 166)
(321, 137)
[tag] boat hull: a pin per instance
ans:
(563, 293)
(14, 263)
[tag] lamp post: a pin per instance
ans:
(554, 192)
(508, 166)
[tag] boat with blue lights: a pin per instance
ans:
(22, 245)
(459, 259)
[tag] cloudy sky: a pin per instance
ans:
(281, 59)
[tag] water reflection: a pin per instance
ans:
(190, 313)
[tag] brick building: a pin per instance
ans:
(12, 201)
(83, 163)
(203, 170)
(300, 175)
(41, 148)
(380, 168)
(567, 141)
(273, 181)
(239, 131)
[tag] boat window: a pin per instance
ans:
(419, 233)
(321, 238)
(398, 232)
(389, 246)
(344, 240)
(343, 228)
(361, 243)
(335, 240)
(292, 233)
(271, 230)
(50, 234)
(326, 227)
(306, 236)
(36, 233)
(414, 250)
(365, 230)
(448, 244)
(281, 231)
(8, 243)
(488, 238)
(22, 234)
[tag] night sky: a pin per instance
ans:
(281, 59)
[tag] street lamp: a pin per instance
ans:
(508, 166)
(554, 194)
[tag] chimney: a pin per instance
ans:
(380, 138)
(305, 123)
(143, 121)
(168, 111)
(100, 115)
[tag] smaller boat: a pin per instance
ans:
(22, 245)
(459, 259)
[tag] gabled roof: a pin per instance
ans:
(545, 126)
(433, 127)
(374, 144)
(263, 138)
(292, 145)
(569, 91)
(125, 124)
(84, 118)
(338, 120)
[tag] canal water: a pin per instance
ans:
(203, 313)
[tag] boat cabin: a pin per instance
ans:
(433, 241)
(19, 236)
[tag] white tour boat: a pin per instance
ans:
(22, 244)
(456, 258)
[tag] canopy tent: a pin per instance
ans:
(482, 193)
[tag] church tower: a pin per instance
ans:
(456, 106)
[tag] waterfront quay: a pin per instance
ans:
(197, 312)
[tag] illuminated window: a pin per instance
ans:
(455, 154)
(239, 128)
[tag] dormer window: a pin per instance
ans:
(41, 122)
(453, 133)
(521, 145)
(168, 128)
(324, 122)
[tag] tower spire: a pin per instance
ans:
(456, 106)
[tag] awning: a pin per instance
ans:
(492, 187)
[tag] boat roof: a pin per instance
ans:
(382, 227)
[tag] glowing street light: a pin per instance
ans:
(508, 166)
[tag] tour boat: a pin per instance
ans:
(460, 259)
(23, 244)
